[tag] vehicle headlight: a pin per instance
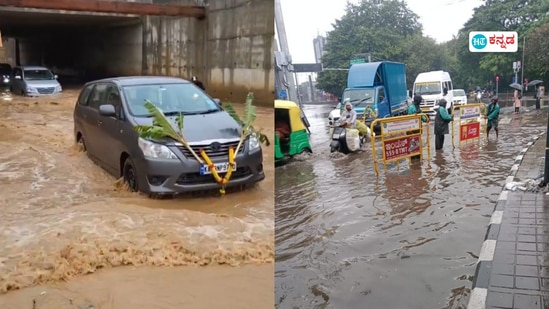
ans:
(31, 89)
(155, 150)
(253, 142)
(58, 88)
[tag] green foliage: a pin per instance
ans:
(378, 27)
(247, 120)
(388, 30)
(161, 127)
(501, 15)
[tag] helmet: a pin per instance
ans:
(442, 102)
(418, 98)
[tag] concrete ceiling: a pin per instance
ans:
(15, 22)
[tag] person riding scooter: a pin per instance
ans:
(348, 117)
(345, 136)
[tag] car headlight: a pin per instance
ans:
(58, 88)
(155, 150)
(253, 143)
(31, 89)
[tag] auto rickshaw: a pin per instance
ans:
(291, 137)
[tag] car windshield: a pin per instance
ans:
(170, 98)
(39, 74)
(459, 93)
(359, 97)
(428, 88)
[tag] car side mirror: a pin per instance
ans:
(55, 76)
(107, 110)
(218, 101)
(17, 76)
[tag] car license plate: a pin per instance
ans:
(219, 167)
(335, 136)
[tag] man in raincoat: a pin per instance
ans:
(348, 116)
(442, 118)
(492, 115)
(416, 109)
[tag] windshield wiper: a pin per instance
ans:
(209, 111)
(176, 113)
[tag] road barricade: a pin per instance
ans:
(471, 123)
(401, 138)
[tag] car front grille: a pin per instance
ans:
(222, 150)
(45, 90)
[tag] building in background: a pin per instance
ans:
(318, 43)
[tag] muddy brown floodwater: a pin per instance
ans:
(63, 218)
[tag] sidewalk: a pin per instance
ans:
(513, 266)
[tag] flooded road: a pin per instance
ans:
(406, 239)
(64, 217)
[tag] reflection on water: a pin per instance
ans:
(63, 216)
(346, 238)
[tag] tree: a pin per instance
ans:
(378, 27)
(536, 53)
(496, 15)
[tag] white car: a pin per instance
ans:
(460, 97)
(334, 115)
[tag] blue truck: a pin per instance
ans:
(379, 88)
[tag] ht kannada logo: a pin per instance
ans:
(493, 41)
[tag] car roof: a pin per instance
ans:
(140, 80)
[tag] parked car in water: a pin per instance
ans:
(108, 110)
(34, 81)
(460, 97)
(5, 73)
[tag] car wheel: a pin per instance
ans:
(130, 175)
(82, 143)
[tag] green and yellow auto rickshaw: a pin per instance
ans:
(291, 136)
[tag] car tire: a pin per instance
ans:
(129, 174)
(82, 142)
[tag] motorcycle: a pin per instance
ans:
(345, 140)
(478, 97)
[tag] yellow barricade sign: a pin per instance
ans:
(401, 138)
(469, 118)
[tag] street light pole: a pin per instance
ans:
(546, 169)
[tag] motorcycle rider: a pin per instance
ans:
(348, 116)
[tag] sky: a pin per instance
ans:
(441, 20)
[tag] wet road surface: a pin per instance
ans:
(63, 217)
(406, 239)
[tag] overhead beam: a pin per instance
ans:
(110, 6)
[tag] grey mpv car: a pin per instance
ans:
(108, 110)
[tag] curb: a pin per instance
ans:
(481, 280)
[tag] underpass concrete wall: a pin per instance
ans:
(231, 50)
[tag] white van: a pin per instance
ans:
(430, 86)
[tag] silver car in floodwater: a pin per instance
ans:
(34, 81)
(108, 110)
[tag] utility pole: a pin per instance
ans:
(285, 50)
(522, 66)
